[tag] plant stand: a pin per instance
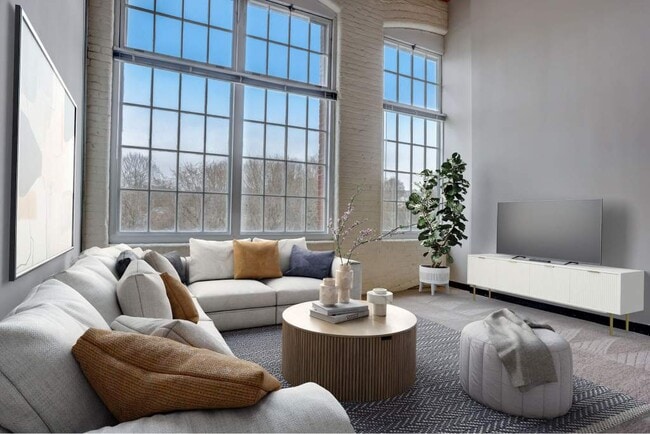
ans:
(434, 277)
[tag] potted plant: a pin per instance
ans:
(438, 205)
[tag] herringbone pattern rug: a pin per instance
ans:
(436, 402)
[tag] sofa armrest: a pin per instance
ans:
(357, 278)
(304, 408)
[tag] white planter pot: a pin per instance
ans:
(434, 277)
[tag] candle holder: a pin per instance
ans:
(378, 299)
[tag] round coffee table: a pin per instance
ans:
(365, 359)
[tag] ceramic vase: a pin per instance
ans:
(328, 295)
(344, 278)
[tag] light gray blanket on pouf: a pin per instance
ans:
(526, 358)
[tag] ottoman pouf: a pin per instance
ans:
(485, 379)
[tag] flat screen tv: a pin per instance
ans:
(566, 230)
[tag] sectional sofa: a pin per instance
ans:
(42, 388)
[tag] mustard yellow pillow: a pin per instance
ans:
(180, 299)
(137, 375)
(260, 260)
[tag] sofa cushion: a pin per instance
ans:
(184, 332)
(107, 255)
(293, 289)
(180, 299)
(141, 292)
(284, 247)
(138, 375)
(161, 264)
(210, 260)
(90, 278)
(259, 260)
(220, 295)
(42, 388)
(305, 263)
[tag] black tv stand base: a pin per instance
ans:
(539, 260)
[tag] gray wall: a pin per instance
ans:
(559, 110)
(61, 26)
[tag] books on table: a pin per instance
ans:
(335, 319)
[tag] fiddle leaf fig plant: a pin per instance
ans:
(438, 205)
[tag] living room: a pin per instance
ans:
(223, 120)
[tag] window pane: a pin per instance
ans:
(403, 215)
(137, 84)
(220, 48)
(254, 100)
(390, 86)
(134, 208)
(164, 131)
(418, 159)
(389, 216)
(274, 178)
(253, 140)
(295, 215)
(405, 128)
(404, 158)
(317, 114)
(193, 93)
(196, 10)
(278, 60)
(432, 97)
(163, 170)
(192, 132)
(276, 106)
(316, 147)
(404, 62)
(252, 213)
(390, 156)
(432, 158)
(404, 90)
(275, 142)
(279, 26)
(390, 125)
(432, 71)
(255, 55)
(135, 169)
(190, 212)
(403, 186)
(221, 13)
(139, 30)
(219, 98)
(195, 42)
(390, 186)
(252, 176)
(418, 66)
(190, 172)
(316, 180)
(299, 31)
(135, 126)
(216, 213)
(256, 20)
(418, 131)
(170, 7)
(296, 179)
(162, 217)
(316, 215)
(216, 174)
(296, 141)
(274, 214)
(317, 72)
(168, 36)
(432, 133)
(298, 65)
(418, 93)
(165, 89)
(298, 110)
(390, 58)
(317, 38)
(217, 136)
(145, 4)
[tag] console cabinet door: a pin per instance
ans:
(548, 282)
(480, 271)
(513, 277)
(596, 291)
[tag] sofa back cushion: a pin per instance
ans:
(211, 260)
(285, 246)
(42, 388)
(90, 278)
(107, 255)
(141, 292)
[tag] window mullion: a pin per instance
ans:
(236, 150)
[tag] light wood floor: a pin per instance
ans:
(620, 362)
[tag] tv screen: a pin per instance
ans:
(568, 230)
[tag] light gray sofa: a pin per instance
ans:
(42, 388)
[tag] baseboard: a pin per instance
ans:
(587, 316)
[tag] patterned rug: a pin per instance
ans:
(437, 403)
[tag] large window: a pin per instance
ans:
(223, 126)
(412, 126)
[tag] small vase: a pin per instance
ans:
(344, 278)
(328, 295)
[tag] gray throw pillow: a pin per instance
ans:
(174, 258)
(306, 263)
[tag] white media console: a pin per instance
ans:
(614, 291)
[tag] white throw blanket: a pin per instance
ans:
(526, 358)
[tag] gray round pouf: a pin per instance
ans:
(485, 379)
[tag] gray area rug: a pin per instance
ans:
(436, 402)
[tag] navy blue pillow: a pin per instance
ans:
(306, 263)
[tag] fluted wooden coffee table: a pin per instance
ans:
(366, 359)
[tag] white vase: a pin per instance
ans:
(344, 279)
(328, 295)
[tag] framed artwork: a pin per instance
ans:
(44, 139)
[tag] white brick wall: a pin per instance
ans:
(390, 264)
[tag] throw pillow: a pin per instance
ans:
(123, 261)
(180, 299)
(141, 292)
(177, 330)
(285, 247)
(260, 260)
(175, 259)
(306, 263)
(161, 264)
(138, 376)
(211, 260)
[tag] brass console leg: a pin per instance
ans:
(627, 322)
(474, 293)
(611, 324)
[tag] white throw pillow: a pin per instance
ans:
(178, 330)
(141, 292)
(211, 260)
(285, 246)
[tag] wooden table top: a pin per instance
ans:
(397, 320)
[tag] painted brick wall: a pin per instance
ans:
(390, 264)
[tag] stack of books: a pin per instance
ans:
(340, 312)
